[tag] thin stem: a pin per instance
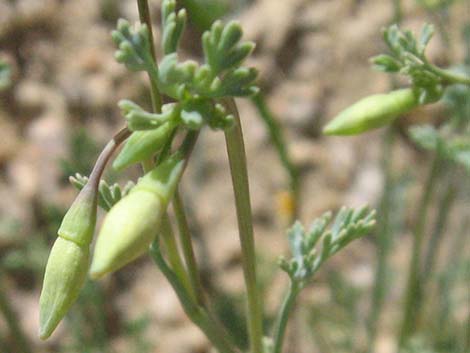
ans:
(187, 247)
(174, 257)
(12, 322)
(413, 286)
(92, 186)
(283, 316)
(238, 169)
(278, 140)
(196, 313)
(445, 207)
(448, 76)
(144, 14)
(188, 144)
(397, 11)
(448, 279)
(166, 229)
(105, 156)
(466, 343)
(384, 239)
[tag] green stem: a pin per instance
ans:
(448, 76)
(466, 339)
(283, 316)
(445, 207)
(447, 280)
(144, 14)
(187, 247)
(13, 324)
(168, 238)
(384, 240)
(397, 11)
(174, 257)
(238, 169)
(278, 139)
(413, 286)
(196, 313)
(189, 288)
(166, 229)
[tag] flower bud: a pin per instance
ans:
(372, 112)
(131, 225)
(142, 145)
(66, 272)
(68, 261)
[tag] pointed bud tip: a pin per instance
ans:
(329, 130)
(332, 129)
(64, 278)
(48, 321)
(97, 271)
(44, 333)
(119, 163)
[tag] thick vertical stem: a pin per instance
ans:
(413, 286)
(238, 168)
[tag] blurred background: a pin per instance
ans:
(59, 109)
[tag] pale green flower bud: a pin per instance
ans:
(132, 224)
(373, 112)
(66, 272)
(68, 261)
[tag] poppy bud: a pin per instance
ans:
(142, 145)
(373, 112)
(68, 261)
(66, 272)
(131, 225)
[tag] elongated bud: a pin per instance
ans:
(66, 272)
(68, 261)
(372, 112)
(142, 145)
(133, 222)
